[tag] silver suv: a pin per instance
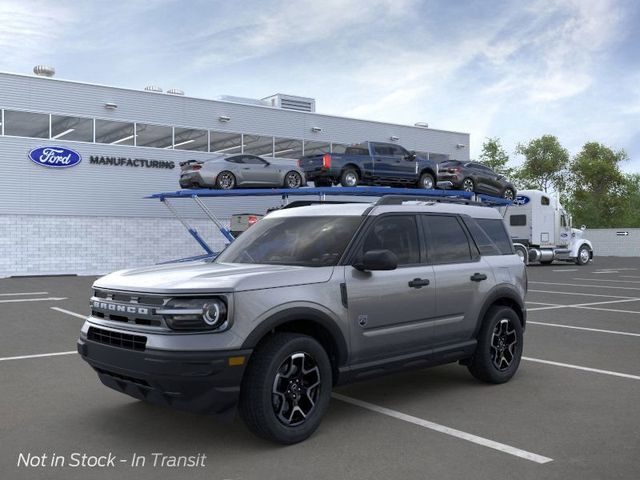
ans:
(309, 298)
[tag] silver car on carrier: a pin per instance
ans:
(241, 170)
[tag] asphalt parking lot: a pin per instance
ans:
(571, 412)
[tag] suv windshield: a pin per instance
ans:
(301, 241)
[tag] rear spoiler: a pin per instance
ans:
(189, 162)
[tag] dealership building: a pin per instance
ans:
(91, 217)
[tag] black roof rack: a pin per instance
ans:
(400, 199)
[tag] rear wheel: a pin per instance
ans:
(499, 349)
(584, 255)
(286, 389)
(349, 178)
(426, 181)
(293, 179)
(225, 180)
(468, 185)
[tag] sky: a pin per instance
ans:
(509, 69)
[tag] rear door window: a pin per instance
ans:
(447, 240)
(397, 233)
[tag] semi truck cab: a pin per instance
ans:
(542, 232)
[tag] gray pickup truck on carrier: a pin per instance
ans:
(371, 163)
(309, 298)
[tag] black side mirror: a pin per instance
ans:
(377, 260)
(411, 156)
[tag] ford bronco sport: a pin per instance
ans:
(310, 298)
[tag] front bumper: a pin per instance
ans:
(199, 382)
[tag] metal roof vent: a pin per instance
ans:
(291, 102)
(44, 71)
(153, 88)
(175, 91)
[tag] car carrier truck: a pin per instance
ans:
(541, 230)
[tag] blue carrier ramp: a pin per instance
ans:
(321, 192)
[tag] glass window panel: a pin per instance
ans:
(224, 142)
(287, 148)
(26, 124)
(258, 145)
(191, 139)
(115, 133)
(71, 128)
(157, 136)
(338, 147)
(316, 148)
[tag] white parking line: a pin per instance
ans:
(73, 314)
(22, 357)
(566, 270)
(49, 299)
(600, 279)
(585, 305)
(582, 294)
(610, 310)
(583, 285)
(23, 293)
(597, 330)
(586, 369)
(485, 442)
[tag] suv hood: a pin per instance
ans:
(205, 277)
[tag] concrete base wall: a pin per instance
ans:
(610, 242)
(46, 245)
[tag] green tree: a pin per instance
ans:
(494, 156)
(545, 164)
(599, 192)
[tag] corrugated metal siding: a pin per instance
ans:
(117, 191)
(606, 241)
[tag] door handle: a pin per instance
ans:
(478, 277)
(418, 283)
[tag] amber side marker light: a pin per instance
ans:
(236, 361)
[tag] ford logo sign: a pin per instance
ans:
(521, 200)
(55, 157)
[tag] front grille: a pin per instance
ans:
(132, 308)
(117, 339)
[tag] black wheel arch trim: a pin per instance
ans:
(302, 314)
(498, 293)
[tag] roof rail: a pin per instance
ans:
(400, 199)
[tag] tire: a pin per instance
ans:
(584, 255)
(292, 179)
(426, 182)
(468, 185)
(349, 178)
(268, 402)
(225, 180)
(508, 194)
(504, 322)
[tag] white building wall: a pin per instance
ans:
(607, 242)
(83, 245)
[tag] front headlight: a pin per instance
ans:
(195, 314)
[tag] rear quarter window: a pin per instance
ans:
(494, 232)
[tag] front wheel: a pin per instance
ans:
(426, 181)
(293, 179)
(584, 255)
(499, 348)
(286, 389)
